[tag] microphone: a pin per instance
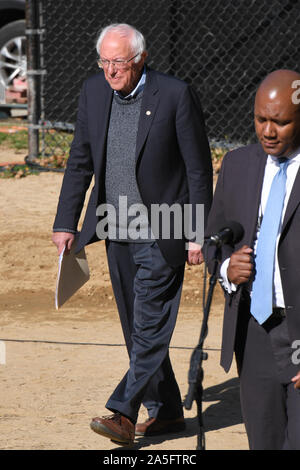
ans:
(232, 232)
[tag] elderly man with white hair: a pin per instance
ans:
(141, 134)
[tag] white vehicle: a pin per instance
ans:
(13, 87)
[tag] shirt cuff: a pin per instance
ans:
(229, 287)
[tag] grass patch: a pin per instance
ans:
(56, 146)
(15, 140)
(17, 171)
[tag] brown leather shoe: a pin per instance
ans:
(154, 426)
(116, 427)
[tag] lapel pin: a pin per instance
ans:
(148, 113)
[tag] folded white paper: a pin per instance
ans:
(73, 273)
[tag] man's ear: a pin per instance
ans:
(144, 56)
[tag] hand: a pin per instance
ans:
(240, 265)
(296, 380)
(195, 255)
(63, 239)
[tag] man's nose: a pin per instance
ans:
(111, 67)
(269, 130)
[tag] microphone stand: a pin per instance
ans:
(195, 375)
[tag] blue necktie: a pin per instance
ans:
(262, 288)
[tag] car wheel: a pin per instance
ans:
(13, 63)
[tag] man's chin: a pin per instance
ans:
(115, 84)
(274, 150)
(119, 89)
(274, 153)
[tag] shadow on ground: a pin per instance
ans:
(224, 412)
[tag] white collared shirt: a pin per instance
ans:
(271, 168)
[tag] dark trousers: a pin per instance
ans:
(147, 292)
(270, 404)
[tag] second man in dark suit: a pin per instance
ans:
(259, 187)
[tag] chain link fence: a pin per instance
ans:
(223, 48)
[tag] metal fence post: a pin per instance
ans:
(33, 77)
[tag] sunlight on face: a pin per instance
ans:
(119, 47)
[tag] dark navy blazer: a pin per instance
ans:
(173, 161)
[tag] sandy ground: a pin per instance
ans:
(60, 366)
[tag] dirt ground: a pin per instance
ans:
(60, 366)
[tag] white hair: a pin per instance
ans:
(138, 42)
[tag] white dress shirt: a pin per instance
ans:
(272, 167)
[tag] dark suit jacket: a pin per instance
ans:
(173, 162)
(237, 197)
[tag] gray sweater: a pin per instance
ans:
(120, 178)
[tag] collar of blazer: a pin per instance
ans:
(255, 176)
(149, 105)
(102, 105)
(293, 202)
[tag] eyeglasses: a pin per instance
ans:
(119, 64)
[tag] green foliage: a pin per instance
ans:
(17, 171)
(217, 153)
(17, 140)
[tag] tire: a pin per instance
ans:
(12, 55)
